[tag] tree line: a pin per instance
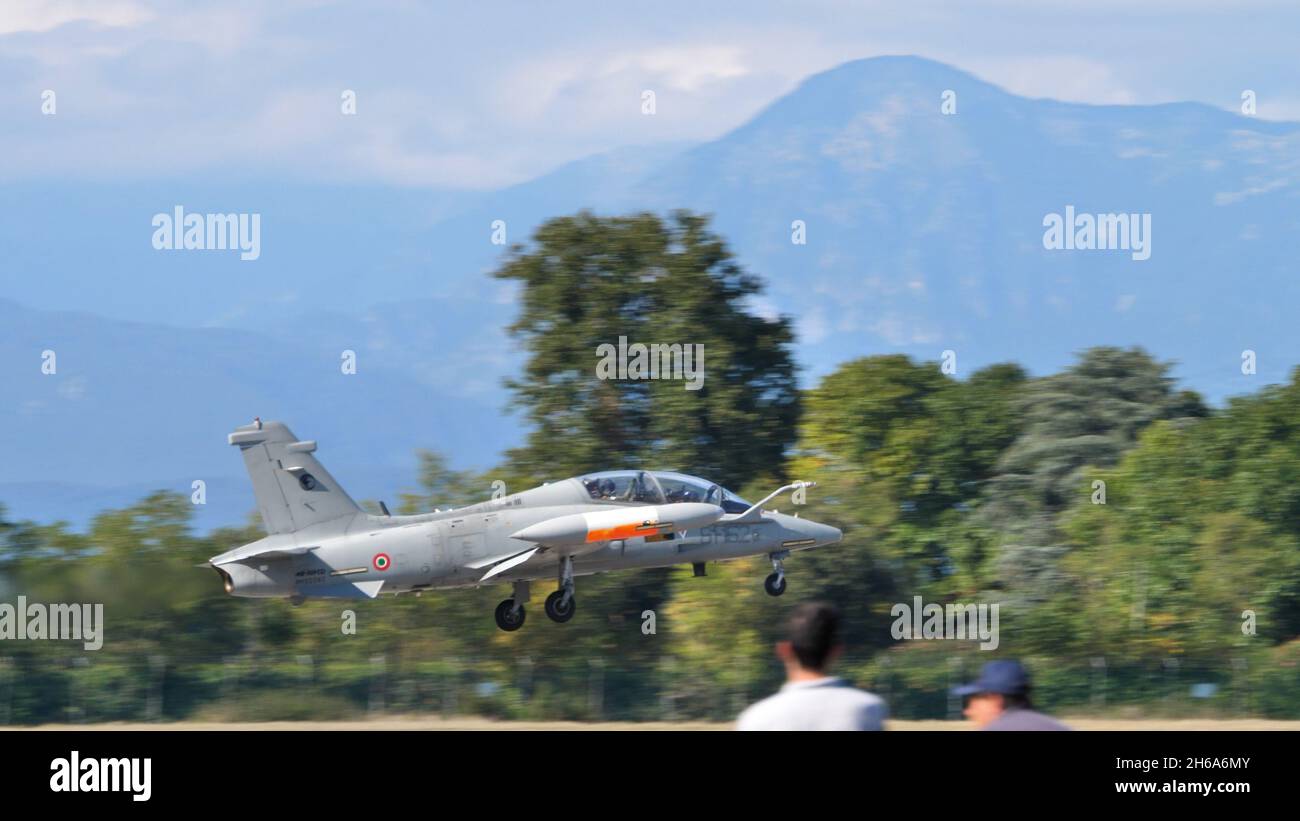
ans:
(1142, 546)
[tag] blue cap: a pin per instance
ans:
(1006, 677)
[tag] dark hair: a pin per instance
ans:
(1018, 701)
(814, 631)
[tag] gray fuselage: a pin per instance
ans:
(364, 554)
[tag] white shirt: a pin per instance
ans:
(821, 704)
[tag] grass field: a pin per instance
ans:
(470, 723)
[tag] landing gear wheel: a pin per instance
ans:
(774, 584)
(559, 607)
(510, 617)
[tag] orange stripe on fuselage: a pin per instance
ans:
(622, 532)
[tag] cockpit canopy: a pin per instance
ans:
(659, 487)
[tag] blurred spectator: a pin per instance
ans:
(811, 699)
(999, 700)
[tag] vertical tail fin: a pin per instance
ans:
(292, 488)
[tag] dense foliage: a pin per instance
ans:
(1137, 542)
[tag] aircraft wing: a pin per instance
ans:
(351, 590)
(513, 561)
(479, 564)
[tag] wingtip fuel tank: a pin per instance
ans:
(620, 523)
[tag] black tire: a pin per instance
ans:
(508, 618)
(557, 609)
(774, 585)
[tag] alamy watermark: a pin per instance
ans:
(654, 361)
(77, 774)
(959, 622)
(179, 231)
(53, 622)
(1098, 232)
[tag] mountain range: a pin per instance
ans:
(921, 191)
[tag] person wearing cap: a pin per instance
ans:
(811, 699)
(999, 700)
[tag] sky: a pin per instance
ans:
(483, 95)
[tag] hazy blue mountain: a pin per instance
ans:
(135, 406)
(924, 233)
(925, 230)
(87, 246)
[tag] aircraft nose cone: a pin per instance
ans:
(825, 534)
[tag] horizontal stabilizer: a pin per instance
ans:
(243, 554)
(283, 552)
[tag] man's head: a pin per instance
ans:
(1001, 686)
(812, 640)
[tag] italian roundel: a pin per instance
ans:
(381, 561)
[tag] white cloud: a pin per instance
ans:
(812, 326)
(1069, 78)
(898, 330)
(47, 15)
(73, 388)
(480, 98)
(697, 84)
(688, 69)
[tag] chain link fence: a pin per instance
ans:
(276, 687)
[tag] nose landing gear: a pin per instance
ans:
(775, 583)
(560, 605)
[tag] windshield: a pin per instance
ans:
(622, 486)
(659, 487)
(731, 503)
(679, 487)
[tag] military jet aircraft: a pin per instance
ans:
(320, 544)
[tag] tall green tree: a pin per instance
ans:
(1197, 529)
(442, 487)
(588, 281)
(1082, 419)
(901, 451)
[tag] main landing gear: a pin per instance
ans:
(560, 604)
(775, 583)
(510, 613)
